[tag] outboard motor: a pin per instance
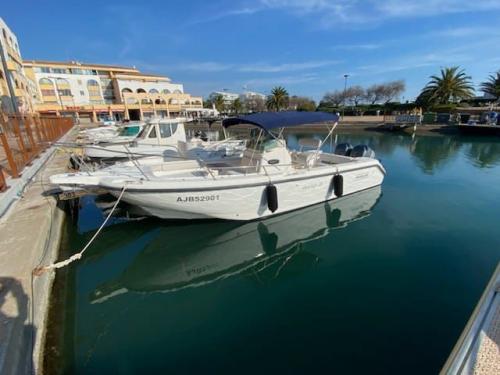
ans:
(362, 151)
(343, 149)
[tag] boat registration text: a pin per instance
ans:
(198, 198)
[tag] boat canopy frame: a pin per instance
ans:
(268, 121)
(285, 119)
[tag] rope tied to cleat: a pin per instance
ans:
(42, 269)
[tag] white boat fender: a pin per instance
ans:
(272, 197)
(338, 185)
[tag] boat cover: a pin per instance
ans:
(272, 120)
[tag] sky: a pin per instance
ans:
(304, 45)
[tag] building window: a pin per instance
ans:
(62, 82)
(45, 81)
(141, 91)
(94, 90)
(82, 93)
(177, 92)
(59, 71)
(4, 34)
(166, 91)
(126, 90)
(153, 91)
(64, 92)
(48, 92)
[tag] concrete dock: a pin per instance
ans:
(477, 350)
(30, 233)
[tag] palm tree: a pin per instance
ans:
(278, 99)
(492, 86)
(219, 103)
(236, 106)
(452, 86)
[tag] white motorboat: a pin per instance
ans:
(126, 132)
(166, 138)
(270, 179)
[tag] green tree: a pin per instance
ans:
(492, 85)
(219, 103)
(278, 99)
(301, 104)
(452, 85)
(236, 106)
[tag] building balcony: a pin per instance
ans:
(11, 65)
(14, 55)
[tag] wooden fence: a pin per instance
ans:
(23, 138)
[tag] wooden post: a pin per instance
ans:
(3, 183)
(8, 152)
(20, 140)
(34, 146)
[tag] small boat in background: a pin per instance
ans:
(165, 138)
(126, 132)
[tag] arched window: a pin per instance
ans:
(61, 82)
(126, 90)
(141, 91)
(153, 91)
(132, 101)
(63, 87)
(94, 91)
(47, 90)
(166, 91)
(177, 92)
(45, 81)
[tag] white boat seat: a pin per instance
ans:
(305, 159)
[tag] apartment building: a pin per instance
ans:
(95, 91)
(15, 89)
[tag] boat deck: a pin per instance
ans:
(478, 348)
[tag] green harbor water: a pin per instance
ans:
(381, 282)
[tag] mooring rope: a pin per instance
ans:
(40, 270)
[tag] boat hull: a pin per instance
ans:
(249, 202)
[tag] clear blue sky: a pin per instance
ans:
(304, 45)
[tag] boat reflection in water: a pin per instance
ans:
(192, 256)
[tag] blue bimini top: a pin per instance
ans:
(285, 119)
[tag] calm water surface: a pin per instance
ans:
(382, 282)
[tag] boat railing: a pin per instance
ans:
(136, 164)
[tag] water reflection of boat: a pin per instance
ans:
(169, 263)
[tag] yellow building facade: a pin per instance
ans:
(15, 88)
(92, 92)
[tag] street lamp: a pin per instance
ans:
(345, 90)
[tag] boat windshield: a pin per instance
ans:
(263, 141)
(143, 132)
(129, 131)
